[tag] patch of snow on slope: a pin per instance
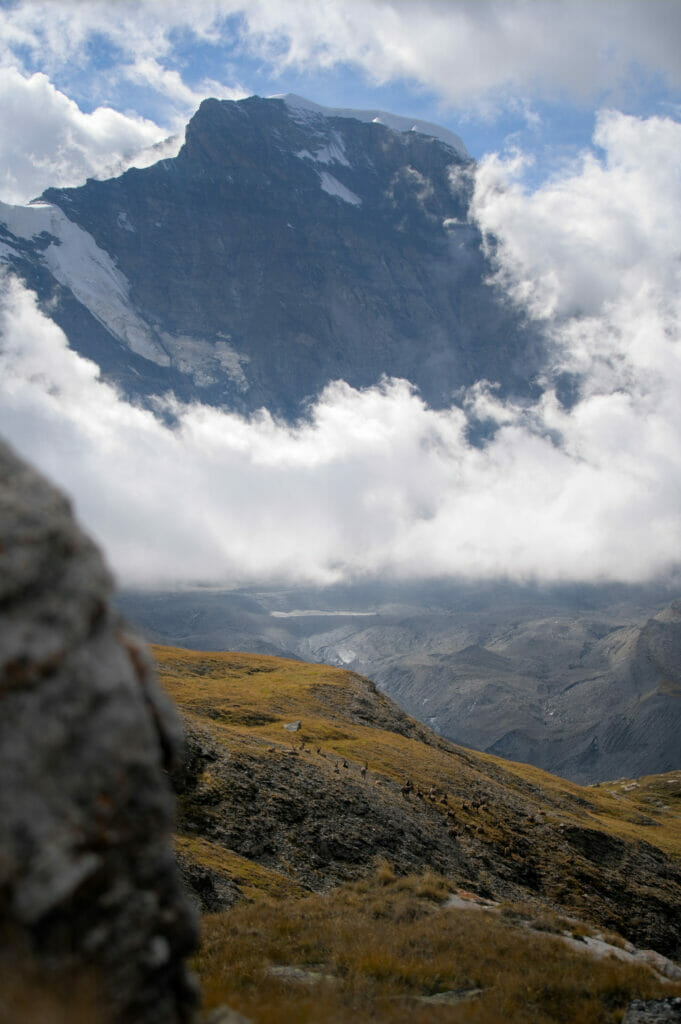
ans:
(205, 361)
(230, 361)
(345, 655)
(333, 152)
(298, 104)
(123, 222)
(334, 187)
(77, 262)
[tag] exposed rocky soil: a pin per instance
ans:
(653, 1011)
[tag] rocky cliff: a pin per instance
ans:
(284, 247)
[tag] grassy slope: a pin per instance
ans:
(610, 854)
(386, 950)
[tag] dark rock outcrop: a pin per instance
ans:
(93, 919)
(653, 1011)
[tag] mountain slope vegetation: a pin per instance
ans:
(307, 796)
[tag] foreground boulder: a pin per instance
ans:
(653, 1011)
(94, 923)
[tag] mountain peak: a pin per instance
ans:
(286, 245)
(298, 105)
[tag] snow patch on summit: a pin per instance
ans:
(301, 109)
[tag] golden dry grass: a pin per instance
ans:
(647, 809)
(253, 880)
(247, 698)
(373, 950)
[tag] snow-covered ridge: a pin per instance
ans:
(394, 121)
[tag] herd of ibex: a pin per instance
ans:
(434, 794)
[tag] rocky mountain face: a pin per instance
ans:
(581, 695)
(94, 923)
(583, 682)
(284, 247)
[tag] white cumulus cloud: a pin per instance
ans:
(46, 140)
(470, 53)
(483, 53)
(374, 482)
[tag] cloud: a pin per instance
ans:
(479, 52)
(376, 483)
(600, 231)
(472, 54)
(48, 141)
(595, 253)
(150, 73)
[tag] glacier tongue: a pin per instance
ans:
(78, 263)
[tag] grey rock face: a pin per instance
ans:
(653, 1011)
(91, 907)
(577, 693)
(280, 250)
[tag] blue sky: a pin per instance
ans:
(530, 74)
